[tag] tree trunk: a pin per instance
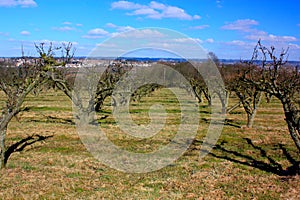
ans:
(198, 94)
(2, 148)
(250, 116)
(208, 97)
(250, 119)
(5, 119)
(294, 134)
(293, 121)
(224, 101)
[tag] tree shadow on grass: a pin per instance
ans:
(271, 166)
(227, 122)
(58, 120)
(20, 145)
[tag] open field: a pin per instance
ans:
(245, 164)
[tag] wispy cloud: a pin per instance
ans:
(248, 29)
(210, 40)
(294, 46)
(187, 40)
(25, 33)
(119, 28)
(64, 28)
(270, 37)
(126, 5)
(140, 33)
(153, 10)
(96, 33)
(68, 26)
(236, 43)
(244, 25)
(247, 26)
(4, 34)
(111, 25)
(67, 23)
(199, 27)
(219, 3)
(14, 3)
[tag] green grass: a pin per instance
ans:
(241, 166)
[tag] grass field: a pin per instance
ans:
(246, 163)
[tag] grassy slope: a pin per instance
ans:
(246, 163)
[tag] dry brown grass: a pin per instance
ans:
(61, 168)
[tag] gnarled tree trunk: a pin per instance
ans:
(5, 119)
(292, 119)
(250, 105)
(2, 148)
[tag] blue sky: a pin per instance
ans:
(230, 28)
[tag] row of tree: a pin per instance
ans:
(265, 74)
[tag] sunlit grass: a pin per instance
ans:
(240, 166)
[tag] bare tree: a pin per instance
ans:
(279, 80)
(249, 96)
(16, 83)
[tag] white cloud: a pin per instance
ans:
(145, 11)
(219, 3)
(244, 48)
(236, 43)
(156, 5)
(175, 12)
(294, 46)
(196, 17)
(111, 25)
(244, 25)
(64, 28)
(125, 5)
(200, 27)
(78, 24)
(188, 40)
(26, 33)
(96, 33)
(119, 28)
(67, 23)
(141, 33)
(154, 10)
(270, 37)
(182, 40)
(22, 3)
(210, 40)
(125, 28)
(4, 34)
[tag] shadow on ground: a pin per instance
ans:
(20, 145)
(272, 166)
